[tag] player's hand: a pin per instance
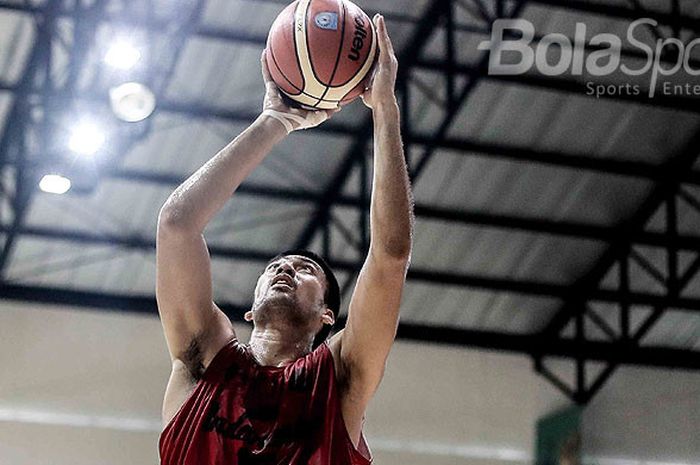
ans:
(295, 118)
(381, 89)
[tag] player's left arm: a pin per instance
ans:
(374, 307)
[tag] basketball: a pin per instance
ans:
(321, 52)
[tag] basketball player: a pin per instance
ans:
(281, 399)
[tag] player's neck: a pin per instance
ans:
(279, 347)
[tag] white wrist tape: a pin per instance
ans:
(313, 118)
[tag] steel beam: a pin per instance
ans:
(623, 12)
(428, 276)
(19, 119)
(567, 85)
(580, 88)
(436, 213)
(357, 151)
(583, 291)
(259, 40)
(561, 348)
(589, 283)
(660, 357)
(612, 164)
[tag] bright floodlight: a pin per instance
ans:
(132, 101)
(122, 55)
(54, 184)
(86, 139)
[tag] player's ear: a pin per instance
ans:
(328, 318)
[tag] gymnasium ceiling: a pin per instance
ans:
(549, 222)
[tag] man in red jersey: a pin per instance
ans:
(288, 397)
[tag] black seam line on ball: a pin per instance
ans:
(340, 52)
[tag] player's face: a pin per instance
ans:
(295, 282)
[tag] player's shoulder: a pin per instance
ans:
(335, 344)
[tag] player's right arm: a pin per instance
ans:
(195, 328)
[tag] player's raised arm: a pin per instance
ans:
(374, 307)
(195, 328)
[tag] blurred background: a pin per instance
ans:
(552, 309)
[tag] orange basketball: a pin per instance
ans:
(320, 52)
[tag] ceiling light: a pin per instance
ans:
(132, 101)
(54, 184)
(86, 139)
(122, 55)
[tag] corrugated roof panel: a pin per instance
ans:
(177, 145)
(436, 305)
(252, 17)
(118, 270)
(688, 217)
(692, 289)
(689, 212)
(180, 146)
(6, 101)
(499, 186)
(234, 282)
(226, 13)
(572, 123)
(200, 76)
(308, 159)
(497, 253)
(675, 329)
(686, 6)
(61, 264)
(239, 223)
(28, 259)
(466, 46)
(215, 72)
(17, 35)
(346, 234)
(428, 94)
(260, 224)
(404, 7)
(517, 314)
(114, 208)
(506, 115)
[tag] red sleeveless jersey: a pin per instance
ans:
(243, 413)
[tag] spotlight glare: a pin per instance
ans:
(86, 139)
(132, 102)
(122, 55)
(54, 184)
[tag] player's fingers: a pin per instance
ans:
(387, 39)
(380, 37)
(386, 49)
(271, 89)
(273, 95)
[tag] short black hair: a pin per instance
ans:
(332, 295)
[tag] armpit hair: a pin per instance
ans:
(194, 359)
